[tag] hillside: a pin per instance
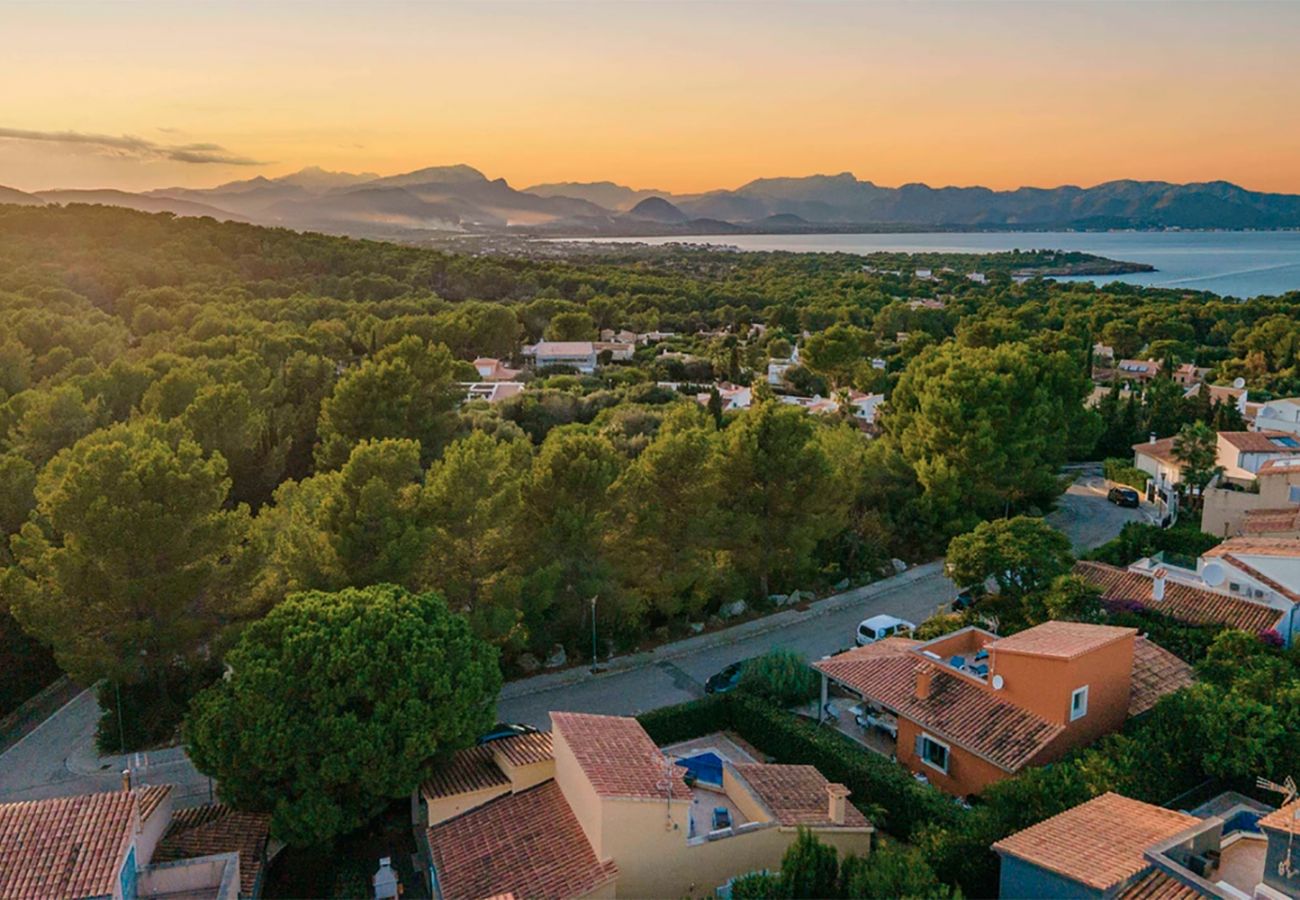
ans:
(19, 198)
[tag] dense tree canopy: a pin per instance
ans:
(335, 703)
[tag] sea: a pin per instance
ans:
(1239, 264)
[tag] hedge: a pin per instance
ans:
(1122, 471)
(1138, 539)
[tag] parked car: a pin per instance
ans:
(726, 680)
(968, 597)
(1124, 496)
(504, 730)
(877, 628)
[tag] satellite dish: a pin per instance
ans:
(1213, 574)
(998, 682)
(1239, 382)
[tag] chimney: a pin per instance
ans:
(1158, 584)
(838, 796)
(126, 779)
(924, 679)
(1152, 437)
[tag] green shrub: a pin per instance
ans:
(1122, 471)
(1137, 540)
(757, 886)
(782, 676)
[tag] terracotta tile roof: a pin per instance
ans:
(1260, 522)
(618, 757)
(1182, 601)
(1062, 640)
(472, 769)
(1262, 441)
(528, 844)
(65, 846)
(956, 710)
(796, 795)
(524, 749)
(1283, 819)
(1256, 546)
(216, 828)
(151, 797)
(1100, 843)
(1162, 450)
(1156, 885)
(1156, 672)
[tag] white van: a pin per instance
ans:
(877, 628)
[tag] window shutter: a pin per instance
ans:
(920, 747)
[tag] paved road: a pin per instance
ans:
(58, 757)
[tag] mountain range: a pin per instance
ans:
(461, 199)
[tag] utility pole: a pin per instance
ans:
(594, 656)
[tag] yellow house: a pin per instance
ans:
(595, 809)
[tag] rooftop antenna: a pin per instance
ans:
(1286, 867)
(667, 785)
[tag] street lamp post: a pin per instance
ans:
(594, 657)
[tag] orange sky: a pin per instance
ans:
(677, 96)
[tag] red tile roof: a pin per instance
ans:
(1260, 441)
(1280, 465)
(618, 757)
(1182, 601)
(216, 828)
(1156, 672)
(1260, 522)
(957, 710)
(1156, 885)
(524, 749)
(66, 846)
(1283, 819)
(528, 844)
(472, 769)
(1100, 843)
(796, 795)
(1256, 546)
(1162, 450)
(1062, 640)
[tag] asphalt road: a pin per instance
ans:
(58, 757)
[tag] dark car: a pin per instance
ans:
(726, 680)
(967, 597)
(1124, 496)
(504, 730)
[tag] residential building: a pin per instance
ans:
(128, 844)
(1234, 396)
(977, 277)
(580, 355)
(1157, 459)
(1279, 415)
(1248, 583)
(734, 396)
(1189, 374)
(491, 391)
(622, 336)
(595, 809)
(494, 370)
(1271, 510)
(1115, 847)
(1140, 370)
(619, 351)
(1241, 453)
(968, 709)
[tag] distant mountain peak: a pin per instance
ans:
(657, 209)
(316, 178)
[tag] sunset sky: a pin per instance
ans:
(676, 96)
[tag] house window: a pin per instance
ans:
(932, 752)
(1293, 493)
(1079, 703)
(1234, 587)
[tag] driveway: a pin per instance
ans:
(58, 757)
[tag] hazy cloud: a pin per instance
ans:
(128, 146)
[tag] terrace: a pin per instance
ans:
(964, 651)
(712, 793)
